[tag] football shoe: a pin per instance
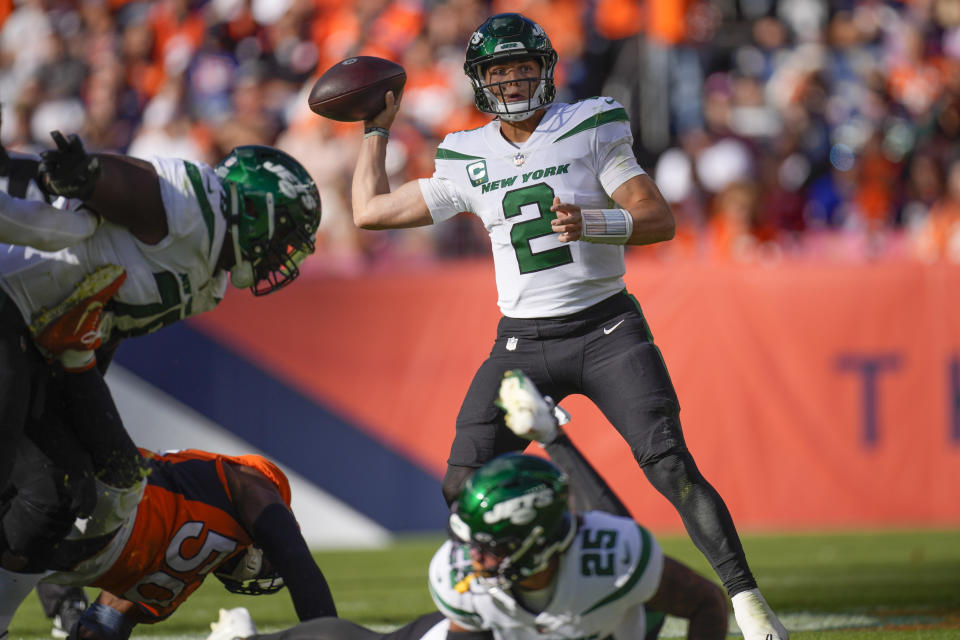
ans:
(756, 619)
(70, 331)
(529, 414)
(233, 624)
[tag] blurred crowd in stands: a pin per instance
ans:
(778, 129)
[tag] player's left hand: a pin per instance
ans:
(68, 170)
(568, 222)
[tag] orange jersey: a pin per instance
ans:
(186, 526)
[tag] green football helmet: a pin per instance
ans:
(274, 214)
(510, 36)
(517, 508)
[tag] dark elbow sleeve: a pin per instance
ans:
(278, 535)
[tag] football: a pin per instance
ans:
(354, 89)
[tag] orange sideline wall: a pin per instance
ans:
(812, 396)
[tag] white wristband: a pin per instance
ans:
(606, 226)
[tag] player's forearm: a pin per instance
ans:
(369, 180)
(707, 624)
(277, 533)
(686, 594)
(652, 222)
(40, 225)
(109, 618)
(650, 214)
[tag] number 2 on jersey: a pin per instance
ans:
(522, 233)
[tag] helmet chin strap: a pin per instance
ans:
(517, 117)
(535, 102)
(241, 274)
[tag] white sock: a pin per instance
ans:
(745, 595)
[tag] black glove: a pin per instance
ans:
(68, 170)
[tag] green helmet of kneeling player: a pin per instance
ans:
(515, 508)
(502, 38)
(274, 213)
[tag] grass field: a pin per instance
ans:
(888, 585)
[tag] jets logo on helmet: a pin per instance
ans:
(520, 510)
(516, 508)
(288, 183)
(503, 37)
(274, 212)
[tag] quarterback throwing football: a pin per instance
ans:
(560, 193)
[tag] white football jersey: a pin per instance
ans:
(610, 569)
(580, 153)
(167, 281)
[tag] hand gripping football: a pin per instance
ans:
(354, 89)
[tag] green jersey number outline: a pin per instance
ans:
(523, 232)
(599, 563)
